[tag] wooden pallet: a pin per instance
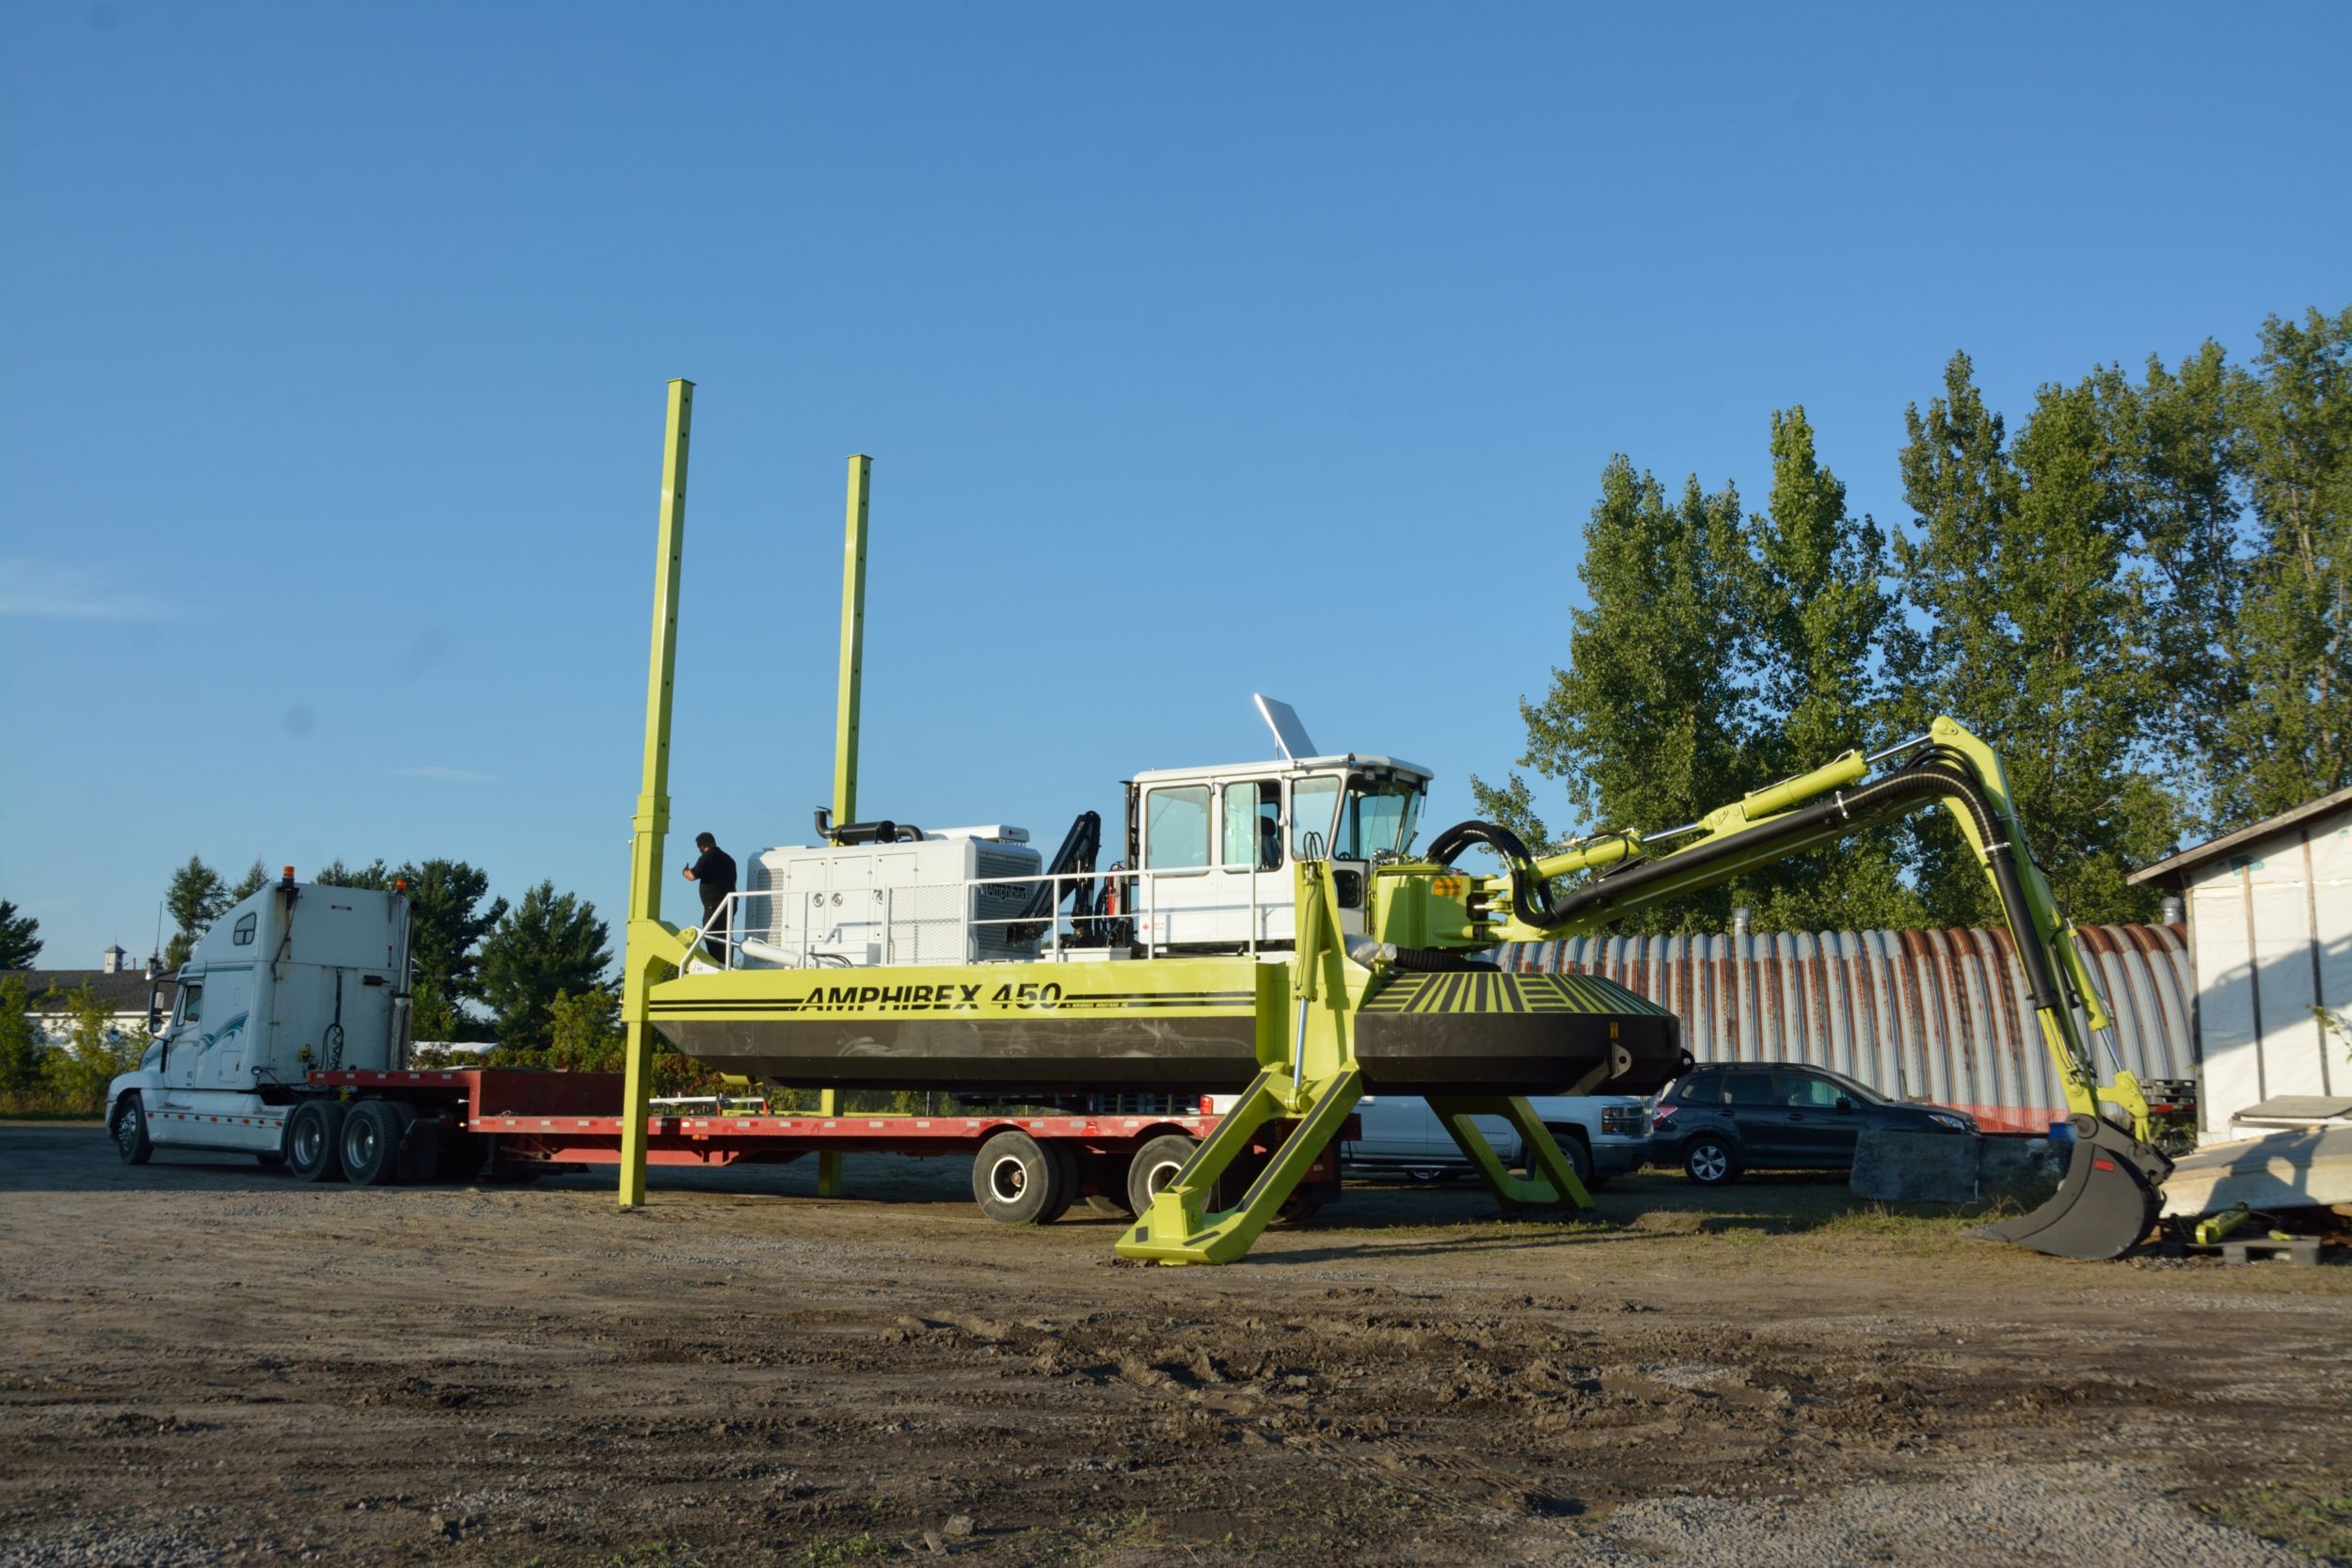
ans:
(2300, 1250)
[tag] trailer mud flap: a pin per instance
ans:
(2109, 1200)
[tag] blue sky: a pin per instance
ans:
(1200, 349)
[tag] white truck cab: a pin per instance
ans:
(297, 976)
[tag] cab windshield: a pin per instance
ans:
(1375, 816)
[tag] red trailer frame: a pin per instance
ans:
(539, 1118)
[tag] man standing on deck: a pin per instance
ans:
(713, 871)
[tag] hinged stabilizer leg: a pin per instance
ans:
(1175, 1229)
(1550, 1181)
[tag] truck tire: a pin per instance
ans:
(314, 1132)
(1571, 1141)
(1154, 1165)
(1108, 1173)
(1709, 1159)
(130, 1131)
(371, 1141)
(1018, 1181)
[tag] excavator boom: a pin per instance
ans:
(2109, 1196)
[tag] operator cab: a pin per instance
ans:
(1216, 845)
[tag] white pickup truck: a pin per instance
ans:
(1602, 1135)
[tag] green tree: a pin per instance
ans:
(584, 1032)
(1817, 611)
(20, 1042)
(2291, 737)
(256, 878)
(19, 938)
(2032, 638)
(1641, 726)
(375, 876)
(195, 899)
(549, 944)
(77, 1072)
(449, 923)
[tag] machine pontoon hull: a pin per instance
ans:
(1175, 1025)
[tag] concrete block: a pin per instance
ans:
(2023, 1168)
(1895, 1166)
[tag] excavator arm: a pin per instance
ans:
(2109, 1196)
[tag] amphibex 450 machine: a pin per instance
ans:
(1270, 931)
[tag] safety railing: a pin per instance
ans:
(1166, 907)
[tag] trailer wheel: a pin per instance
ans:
(1017, 1180)
(1066, 1190)
(131, 1139)
(371, 1141)
(313, 1133)
(1155, 1166)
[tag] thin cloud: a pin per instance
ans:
(31, 590)
(443, 775)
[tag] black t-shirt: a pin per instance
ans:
(714, 874)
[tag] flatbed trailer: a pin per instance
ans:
(516, 1123)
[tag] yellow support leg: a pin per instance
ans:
(1175, 1229)
(1550, 1181)
(829, 1162)
(647, 938)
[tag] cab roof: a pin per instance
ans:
(1279, 768)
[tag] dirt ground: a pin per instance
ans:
(207, 1362)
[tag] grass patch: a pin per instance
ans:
(2312, 1517)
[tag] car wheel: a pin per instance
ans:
(1709, 1161)
(312, 1131)
(131, 1140)
(1155, 1165)
(1018, 1181)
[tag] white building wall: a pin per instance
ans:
(2270, 937)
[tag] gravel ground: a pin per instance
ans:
(211, 1363)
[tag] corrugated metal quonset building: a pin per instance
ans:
(1934, 1015)
(2270, 941)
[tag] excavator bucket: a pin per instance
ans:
(2108, 1199)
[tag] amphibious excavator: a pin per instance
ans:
(1272, 934)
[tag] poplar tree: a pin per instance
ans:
(193, 899)
(2291, 738)
(1816, 610)
(1644, 725)
(2030, 636)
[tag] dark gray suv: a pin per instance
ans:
(1725, 1117)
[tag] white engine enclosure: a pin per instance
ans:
(908, 903)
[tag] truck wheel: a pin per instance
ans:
(1018, 1181)
(1709, 1161)
(313, 1133)
(131, 1140)
(1580, 1157)
(371, 1141)
(1065, 1190)
(1108, 1175)
(1155, 1166)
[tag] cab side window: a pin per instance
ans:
(1311, 801)
(192, 1003)
(1176, 829)
(1253, 825)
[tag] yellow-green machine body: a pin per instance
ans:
(1375, 985)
